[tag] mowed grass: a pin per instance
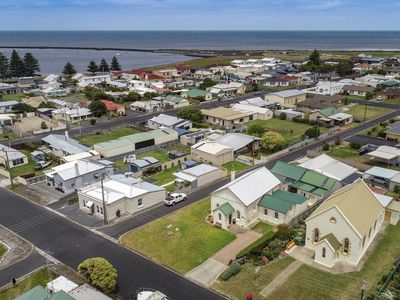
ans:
(92, 139)
(3, 250)
(291, 131)
(41, 277)
(186, 244)
(358, 112)
(166, 176)
(309, 283)
(238, 166)
(16, 97)
(247, 282)
(29, 167)
(263, 228)
(161, 156)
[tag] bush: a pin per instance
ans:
(274, 244)
(381, 133)
(71, 201)
(325, 147)
(355, 146)
(92, 121)
(282, 116)
(232, 270)
(397, 189)
(118, 213)
(255, 129)
(100, 273)
(256, 248)
(312, 132)
(284, 232)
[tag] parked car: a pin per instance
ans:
(42, 165)
(174, 198)
(150, 294)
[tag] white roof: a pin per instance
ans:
(288, 93)
(384, 200)
(11, 153)
(211, 147)
(75, 168)
(382, 172)
(51, 77)
(289, 112)
(252, 186)
(385, 152)
(74, 112)
(250, 109)
(230, 85)
(82, 155)
(340, 116)
(167, 120)
(8, 103)
(236, 141)
(87, 292)
(329, 166)
(200, 170)
(185, 177)
(61, 284)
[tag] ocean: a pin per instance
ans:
(53, 60)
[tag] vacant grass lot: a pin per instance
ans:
(310, 283)
(358, 112)
(183, 249)
(92, 139)
(41, 277)
(247, 282)
(235, 165)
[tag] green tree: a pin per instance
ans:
(69, 70)
(22, 107)
(369, 96)
(207, 82)
(98, 108)
(314, 58)
(149, 95)
(3, 66)
(191, 114)
(100, 273)
(47, 104)
(282, 116)
(132, 96)
(16, 65)
(43, 125)
(115, 66)
(312, 132)
(255, 129)
(103, 67)
(31, 64)
(92, 67)
(272, 140)
(344, 68)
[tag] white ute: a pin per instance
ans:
(174, 198)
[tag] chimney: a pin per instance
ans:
(76, 169)
(233, 175)
(66, 135)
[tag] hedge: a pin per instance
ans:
(261, 243)
(232, 270)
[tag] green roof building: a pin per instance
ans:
(194, 93)
(329, 111)
(40, 293)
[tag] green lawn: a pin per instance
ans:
(16, 97)
(92, 139)
(263, 228)
(29, 167)
(3, 250)
(183, 249)
(247, 282)
(291, 131)
(161, 156)
(310, 283)
(392, 101)
(235, 165)
(354, 97)
(372, 112)
(41, 277)
(165, 176)
(375, 132)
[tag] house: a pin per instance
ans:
(91, 154)
(52, 92)
(373, 79)
(330, 116)
(142, 164)
(40, 293)
(385, 154)
(166, 73)
(254, 112)
(357, 90)
(163, 120)
(122, 195)
(240, 143)
(393, 132)
(71, 115)
(7, 106)
(194, 94)
(342, 228)
(212, 152)
(172, 101)
(329, 88)
(224, 117)
(299, 180)
(222, 90)
(203, 74)
(332, 168)
(383, 177)
(12, 157)
(290, 114)
(9, 89)
(259, 102)
(114, 109)
(389, 94)
(146, 106)
(287, 98)
(198, 175)
(62, 145)
(194, 136)
(40, 154)
(84, 81)
(237, 201)
(133, 142)
(316, 102)
(76, 174)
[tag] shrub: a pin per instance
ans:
(100, 273)
(274, 244)
(325, 147)
(312, 132)
(282, 116)
(232, 270)
(71, 201)
(397, 189)
(381, 133)
(256, 248)
(118, 213)
(355, 146)
(283, 232)
(92, 121)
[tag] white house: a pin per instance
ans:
(71, 115)
(254, 112)
(329, 88)
(7, 106)
(198, 175)
(163, 120)
(84, 81)
(224, 90)
(342, 228)
(14, 157)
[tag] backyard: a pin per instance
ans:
(235, 165)
(165, 176)
(310, 283)
(41, 277)
(29, 167)
(183, 239)
(100, 137)
(358, 112)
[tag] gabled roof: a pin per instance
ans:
(236, 140)
(111, 105)
(318, 180)
(226, 209)
(332, 241)
(67, 144)
(252, 185)
(288, 170)
(357, 203)
(281, 201)
(288, 93)
(329, 111)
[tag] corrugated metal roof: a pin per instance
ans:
(288, 170)
(226, 209)
(236, 141)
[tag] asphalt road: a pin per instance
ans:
(71, 244)
(364, 139)
(140, 219)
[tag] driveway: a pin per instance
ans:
(207, 272)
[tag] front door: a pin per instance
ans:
(230, 219)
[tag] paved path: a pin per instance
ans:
(229, 252)
(281, 278)
(207, 272)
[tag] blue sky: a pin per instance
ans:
(199, 14)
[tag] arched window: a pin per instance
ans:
(346, 246)
(316, 235)
(219, 216)
(323, 252)
(238, 214)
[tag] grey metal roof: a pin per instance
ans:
(61, 142)
(236, 140)
(288, 93)
(12, 153)
(8, 103)
(167, 120)
(200, 170)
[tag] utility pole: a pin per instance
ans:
(362, 289)
(104, 201)
(8, 168)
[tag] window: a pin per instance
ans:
(219, 216)
(323, 252)
(265, 211)
(276, 215)
(101, 210)
(139, 202)
(369, 233)
(363, 241)
(217, 205)
(375, 226)
(97, 209)
(316, 235)
(333, 220)
(238, 214)
(346, 246)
